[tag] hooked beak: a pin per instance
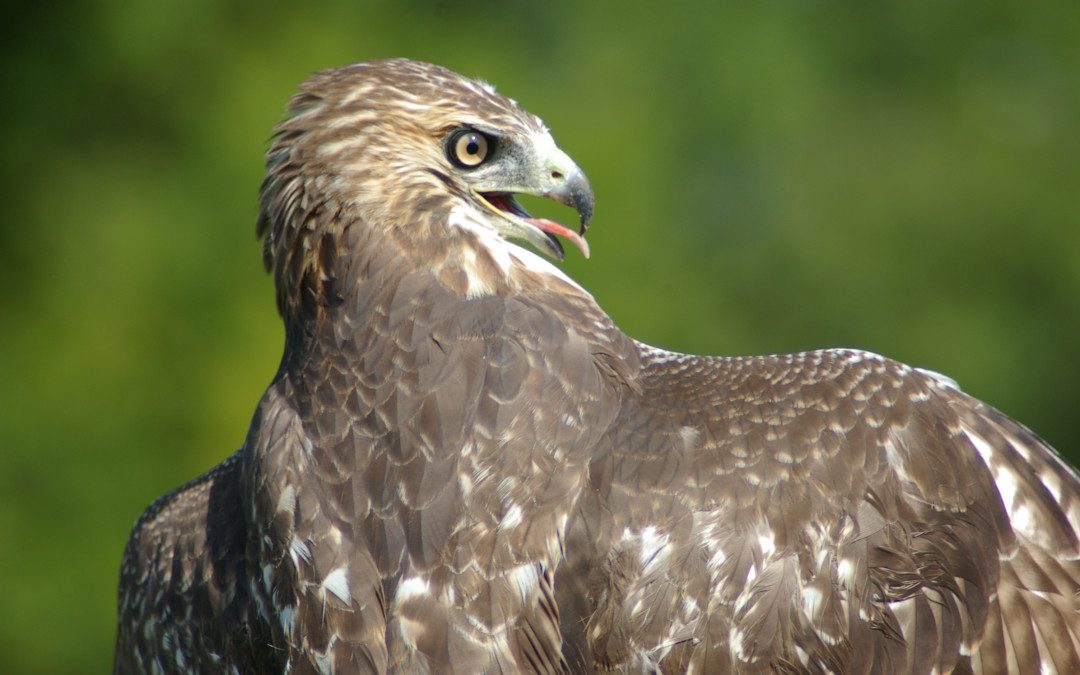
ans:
(575, 191)
(560, 180)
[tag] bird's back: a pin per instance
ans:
(831, 511)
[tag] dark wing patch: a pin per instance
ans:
(185, 603)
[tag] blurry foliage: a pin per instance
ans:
(770, 176)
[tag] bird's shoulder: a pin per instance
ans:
(765, 420)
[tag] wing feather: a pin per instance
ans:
(185, 603)
(853, 514)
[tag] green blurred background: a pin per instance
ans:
(770, 176)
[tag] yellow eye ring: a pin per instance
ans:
(468, 148)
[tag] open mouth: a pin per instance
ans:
(508, 207)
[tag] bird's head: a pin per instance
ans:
(425, 152)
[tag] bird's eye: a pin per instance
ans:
(469, 148)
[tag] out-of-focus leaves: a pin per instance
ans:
(770, 176)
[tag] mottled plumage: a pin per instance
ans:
(462, 465)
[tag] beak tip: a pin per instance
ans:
(581, 198)
(585, 211)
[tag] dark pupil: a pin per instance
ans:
(473, 147)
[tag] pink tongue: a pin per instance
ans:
(561, 231)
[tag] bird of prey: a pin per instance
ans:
(462, 465)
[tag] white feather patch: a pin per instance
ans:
(846, 573)
(512, 518)
(298, 550)
(654, 548)
(811, 601)
(412, 587)
(1007, 485)
(767, 543)
(735, 641)
(286, 502)
(525, 579)
(337, 582)
(981, 446)
(689, 436)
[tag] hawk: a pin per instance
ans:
(462, 464)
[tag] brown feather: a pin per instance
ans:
(462, 465)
